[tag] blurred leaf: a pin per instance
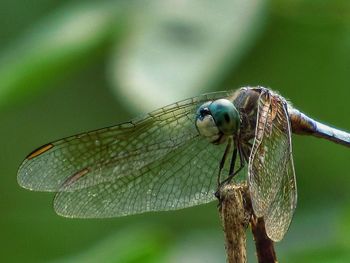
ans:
(304, 234)
(331, 254)
(344, 226)
(139, 244)
(179, 49)
(62, 42)
(315, 237)
(198, 246)
(319, 12)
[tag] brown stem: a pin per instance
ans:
(236, 213)
(235, 220)
(264, 246)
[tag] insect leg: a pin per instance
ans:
(222, 163)
(242, 163)
(233, 161)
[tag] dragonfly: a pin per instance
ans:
(174, 157)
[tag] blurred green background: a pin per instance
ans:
(71, 66)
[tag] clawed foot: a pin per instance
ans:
(220, 186)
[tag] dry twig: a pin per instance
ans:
(236, 213)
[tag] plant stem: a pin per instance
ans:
(236, 213)
(265, 250)
(235, 220)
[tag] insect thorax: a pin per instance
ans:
(246, 101)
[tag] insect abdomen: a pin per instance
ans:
(302, 124)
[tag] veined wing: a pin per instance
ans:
(271, 166)
(184, 177)
(281, 210)
(98, 159)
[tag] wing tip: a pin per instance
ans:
(24, 181)
(22, 178)
(65, 215)
(39, 151)
(276, 238)
(24, 172)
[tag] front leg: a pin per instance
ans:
(223, 160)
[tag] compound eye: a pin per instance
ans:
(203, 110)
(225, 116)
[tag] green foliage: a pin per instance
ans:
(71, 68)
(61, 43)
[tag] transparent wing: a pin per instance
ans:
(184, 177)
(281, 210)
(90, 158)
(271, 171)
(111, 157)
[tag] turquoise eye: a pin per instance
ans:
(226, 116)
(203, 110)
